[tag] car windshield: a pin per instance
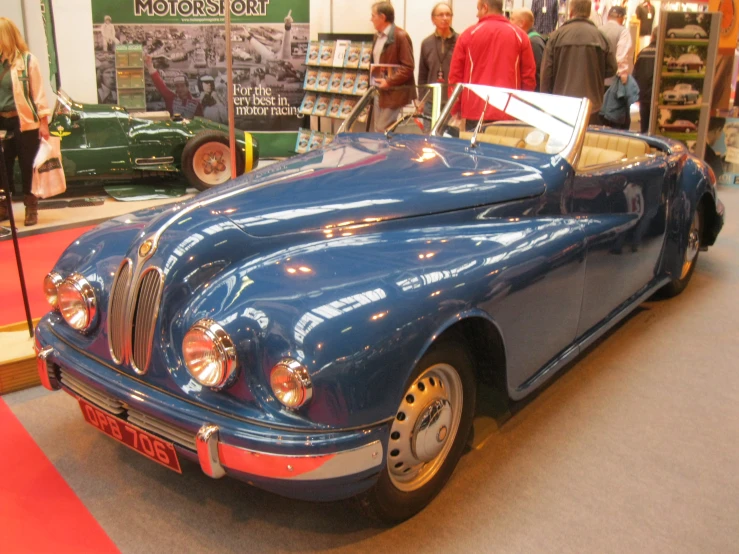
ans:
(484, 114)
(63, 104)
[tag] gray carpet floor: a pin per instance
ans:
(634, 449)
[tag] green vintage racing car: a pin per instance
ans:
(102, 142)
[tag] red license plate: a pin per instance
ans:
(152, 447)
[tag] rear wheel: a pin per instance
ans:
(206, 160)
(690, 259)
(427, 437)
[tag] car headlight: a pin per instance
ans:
(51, 289)
(291, 383)
(209, 354)
(76, 299)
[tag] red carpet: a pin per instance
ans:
(39, 512)
(39, 253)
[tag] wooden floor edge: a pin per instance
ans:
(21, 326)
(22, 375)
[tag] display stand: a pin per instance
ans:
(683, 77)
(129, 67)
(5, 198)
(337, 75)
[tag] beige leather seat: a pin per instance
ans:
(631, 147)
(494, 139)
(518, 131)
(590, 156)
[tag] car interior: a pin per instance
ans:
(598, 148)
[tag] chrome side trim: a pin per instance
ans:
(544, 374)
(154, 161)
(207, 448)
(43, 368)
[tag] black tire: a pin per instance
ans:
(679, 284)
(221, 172)
(386, 502)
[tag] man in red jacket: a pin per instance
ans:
(493, 52)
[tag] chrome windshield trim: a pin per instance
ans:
(444, 115)
(572, 151)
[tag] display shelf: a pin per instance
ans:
(130, 76)
(341, 54)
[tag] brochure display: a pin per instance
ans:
(129, 69)
(337, 74)
(683, 81)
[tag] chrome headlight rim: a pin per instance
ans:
(225, 348)
(83, 287)
(300, 373)
(54, 280)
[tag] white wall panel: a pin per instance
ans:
(13, 10)
(465, 14)
(36, 40)
(75, 48)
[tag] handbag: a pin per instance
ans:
(48, 175)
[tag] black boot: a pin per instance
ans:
(31, 203)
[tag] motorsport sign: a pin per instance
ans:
(184, 59)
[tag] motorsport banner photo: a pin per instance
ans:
(172, 56)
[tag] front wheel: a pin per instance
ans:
(690, 259)
(427, 436)
(206, 160)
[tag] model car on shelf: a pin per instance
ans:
(102, 142)
(687, 62)
(320, 328)
(681, 93)
(689, 31)
(679, 126)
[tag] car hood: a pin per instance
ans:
(369, 178)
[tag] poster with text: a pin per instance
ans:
(184, 49)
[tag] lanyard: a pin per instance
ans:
(440, 73)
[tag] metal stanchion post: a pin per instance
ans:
(5, 197)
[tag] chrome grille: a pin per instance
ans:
(100, 399)
(117, 312)
(153, 425)
(164, 430)
(145, 318)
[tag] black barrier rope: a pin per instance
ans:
(5, 197)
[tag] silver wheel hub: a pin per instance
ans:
(424, 427)
(432, 430)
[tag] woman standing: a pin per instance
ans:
(23, 112)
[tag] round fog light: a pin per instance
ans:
(51, 289)
(291, 383)
(209, 354)
(76, 299)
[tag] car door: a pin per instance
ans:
(623, 211)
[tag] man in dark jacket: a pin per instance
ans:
(391, 45)
(492, 52)
(437, 49)
(578, 59)
(524, 19)
(644, 75)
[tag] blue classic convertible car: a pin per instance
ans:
(320, 327)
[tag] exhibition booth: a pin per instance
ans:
(305, 310)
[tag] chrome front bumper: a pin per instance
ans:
(216, 457)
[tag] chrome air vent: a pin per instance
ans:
(148, 294)
(117, 311)
(97, 397)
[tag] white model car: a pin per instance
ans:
(682, 93)
(689, 31)
(686, 62)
